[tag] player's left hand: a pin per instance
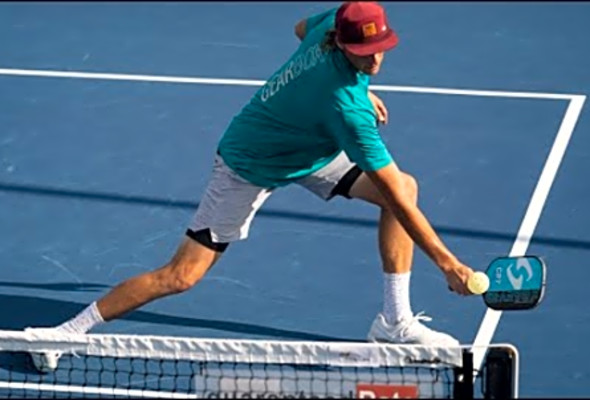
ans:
(379, 107)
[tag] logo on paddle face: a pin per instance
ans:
(521, 264)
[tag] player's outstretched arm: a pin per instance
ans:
(389, 182)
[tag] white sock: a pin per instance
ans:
(84, 321)
(396, 297)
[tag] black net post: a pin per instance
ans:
(463, 382)
(499, 372)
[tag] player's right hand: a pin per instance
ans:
(457, 276)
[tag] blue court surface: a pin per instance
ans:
(100, 174)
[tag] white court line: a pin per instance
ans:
(128, 77)
(536, 204)
(135, 393)
(250, 82)
(532, 215)
(464, 92)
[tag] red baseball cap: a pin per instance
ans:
(362, 28)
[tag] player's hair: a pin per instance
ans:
(329, 42)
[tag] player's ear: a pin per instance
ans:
(300, 29)
(338, 43)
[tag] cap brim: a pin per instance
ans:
(366, 49)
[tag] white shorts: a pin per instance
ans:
(230, 202)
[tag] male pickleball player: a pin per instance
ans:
(315, 124)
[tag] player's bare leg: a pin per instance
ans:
(397, 322)
(190, 263)
(395, 245)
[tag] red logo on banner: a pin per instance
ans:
(366, 391)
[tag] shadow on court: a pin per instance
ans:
(358, 222)
(19, 312)
(62, 287)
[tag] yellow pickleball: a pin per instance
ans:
(478, 283)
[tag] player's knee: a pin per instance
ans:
(411, 187)
(183, 275)
(181, 284)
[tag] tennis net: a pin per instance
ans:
(137, 366)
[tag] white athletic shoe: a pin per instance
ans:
(409, 331)
(44, 362)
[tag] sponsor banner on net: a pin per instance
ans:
(317, 384)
